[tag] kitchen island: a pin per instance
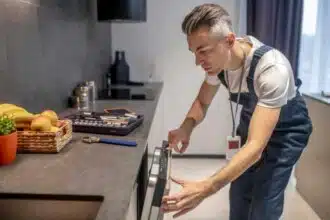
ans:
(93, 172)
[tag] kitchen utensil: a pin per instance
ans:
(83, 97)
(93, 139)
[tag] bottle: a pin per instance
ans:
(119, 70)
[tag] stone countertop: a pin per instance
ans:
(81, 169)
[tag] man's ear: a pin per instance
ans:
(230, 39)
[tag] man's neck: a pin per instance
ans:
(238, 55)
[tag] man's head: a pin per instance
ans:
(209, 34)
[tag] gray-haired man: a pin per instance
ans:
(274, 125)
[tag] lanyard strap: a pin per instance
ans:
(233, 116)
(233, 133)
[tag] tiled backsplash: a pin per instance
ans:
(47, 47)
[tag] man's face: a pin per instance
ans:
(210, 53)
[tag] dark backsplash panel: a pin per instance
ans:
(47, 47)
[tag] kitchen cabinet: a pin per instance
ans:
(312, 170)
(132, 213)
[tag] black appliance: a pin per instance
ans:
(158, 183)
(119, 72)
(122, 10)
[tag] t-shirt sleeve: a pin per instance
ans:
(273, 86)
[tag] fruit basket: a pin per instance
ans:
(45, 141)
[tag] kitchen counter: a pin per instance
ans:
(87, 170)
(312, 170)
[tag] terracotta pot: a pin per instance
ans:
(8, 148)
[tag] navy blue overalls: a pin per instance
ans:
(258, 194)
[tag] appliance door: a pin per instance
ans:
(158, 183)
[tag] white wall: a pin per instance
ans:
(159, 47)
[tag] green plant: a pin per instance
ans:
(7, 125)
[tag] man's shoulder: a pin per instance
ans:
(273, 65)
(273, 76)
(273, 57)
(273, 68)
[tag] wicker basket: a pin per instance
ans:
(44, 142)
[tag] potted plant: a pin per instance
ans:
(8, 140)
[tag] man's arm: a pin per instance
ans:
(273, 84)
(261, 128)
(199, 108)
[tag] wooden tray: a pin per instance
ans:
(44, 142)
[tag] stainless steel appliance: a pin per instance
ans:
(158, 183)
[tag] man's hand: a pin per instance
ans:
(191, 195)
(177, 136)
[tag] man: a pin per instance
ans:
(274, 126)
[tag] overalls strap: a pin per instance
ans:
(221, 76)
(256, 57)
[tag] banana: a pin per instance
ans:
(5, 105)
(22, 116)
(13, 111)
(9, 108)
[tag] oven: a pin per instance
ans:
(158, 183)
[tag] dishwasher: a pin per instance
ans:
(158, 183)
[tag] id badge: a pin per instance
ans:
(233, 146)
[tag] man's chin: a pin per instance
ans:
(211, 72)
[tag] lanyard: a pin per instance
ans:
(233, 116)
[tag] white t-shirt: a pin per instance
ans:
(274, 82)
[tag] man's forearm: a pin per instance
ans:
(189, 124)
(195, 116)
(242, 160)
(199, 108)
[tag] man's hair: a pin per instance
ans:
(213, 16)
